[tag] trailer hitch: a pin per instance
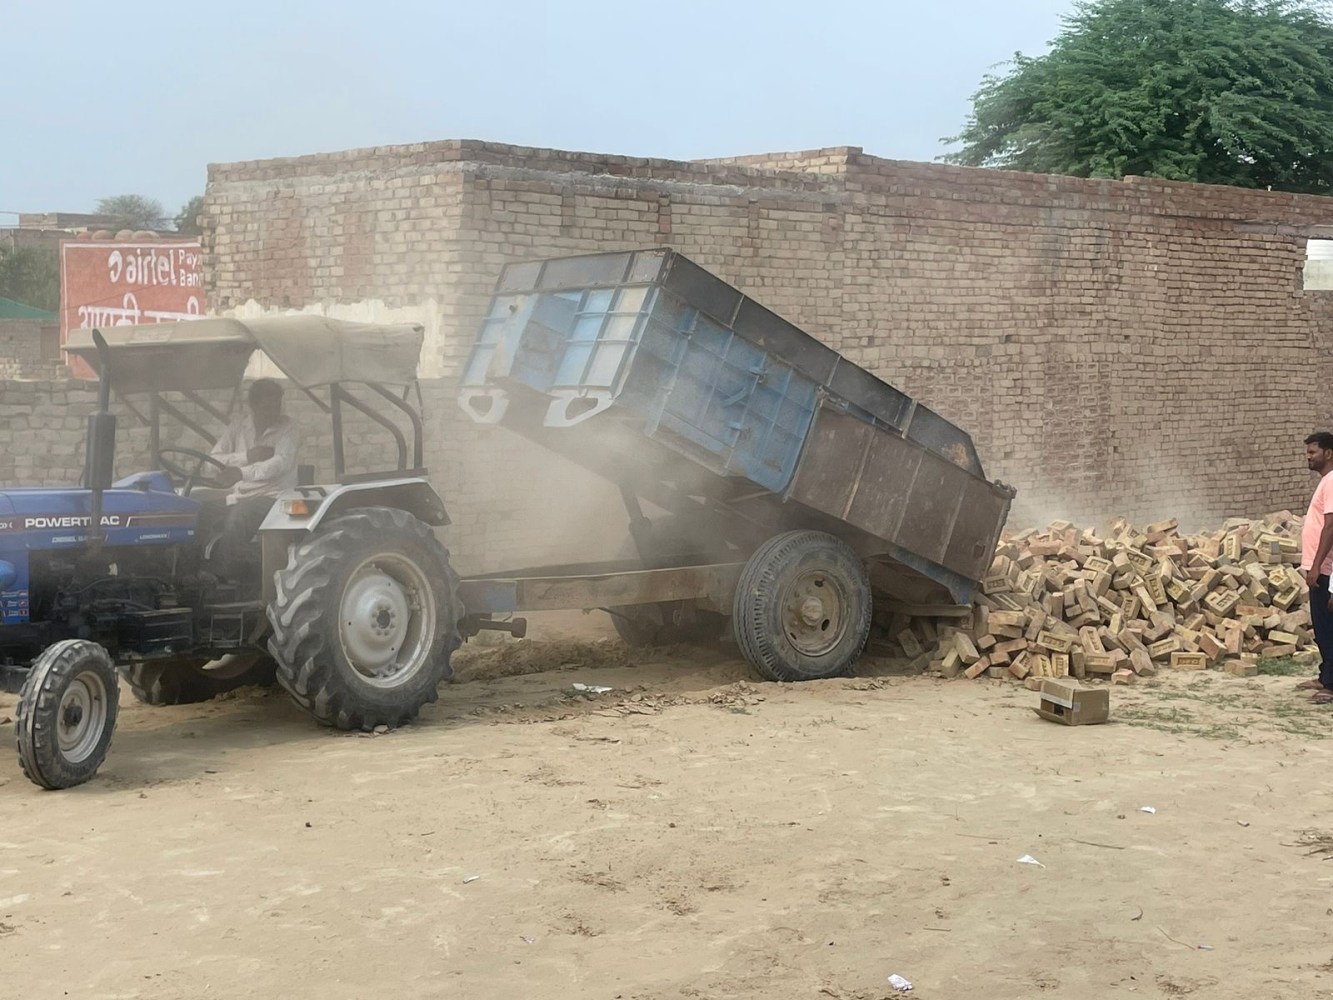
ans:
(471, 625)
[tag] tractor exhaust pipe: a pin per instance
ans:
(100, 457)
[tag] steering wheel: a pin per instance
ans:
(187, 479)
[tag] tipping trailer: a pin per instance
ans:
(800, 493)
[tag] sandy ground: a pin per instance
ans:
(694, 833)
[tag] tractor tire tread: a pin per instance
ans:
(300, 640)
(165, 682)
(35, 735)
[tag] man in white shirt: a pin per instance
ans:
(259, 451)
(1317, 560)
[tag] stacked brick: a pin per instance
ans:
(1129, 602)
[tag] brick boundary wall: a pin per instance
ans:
(1140, 347)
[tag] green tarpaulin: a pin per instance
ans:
(9, 309)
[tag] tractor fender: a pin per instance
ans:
(414, 495)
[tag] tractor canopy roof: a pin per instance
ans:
(213, 353)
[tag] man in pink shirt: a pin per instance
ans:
(1317, 559)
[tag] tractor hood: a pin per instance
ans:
(213, 353)
(54, 517)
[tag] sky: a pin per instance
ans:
(103, 99)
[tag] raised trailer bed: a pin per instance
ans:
(798, 490)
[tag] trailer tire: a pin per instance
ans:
(365, 619)
(186, 682)
(639, 625)
(66, 714)
(803, 607)
(642, 625)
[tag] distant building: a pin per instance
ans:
(45, 230)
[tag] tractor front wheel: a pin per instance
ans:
(66, 714)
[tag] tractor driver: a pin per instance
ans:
(259, 452)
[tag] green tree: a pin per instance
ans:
(187, 219)
(31, 276)
(133, 211)
(1215, 91)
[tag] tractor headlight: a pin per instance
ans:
(298, 507)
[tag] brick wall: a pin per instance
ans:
(29, 349)
(1139, 347)
(46, 422)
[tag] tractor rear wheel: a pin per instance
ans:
(187, 682)
(66, 714)
(365, 619)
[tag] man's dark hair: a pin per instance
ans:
(266, 388)
(1323, 438)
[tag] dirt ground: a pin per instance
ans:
(693, 833)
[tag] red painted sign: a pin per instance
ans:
(105, 283)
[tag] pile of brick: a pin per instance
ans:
(1128, 602)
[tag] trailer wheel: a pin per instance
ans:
(186, 682)
(66, 714)
(802, 607)
(365, 619)
(678, 544)
(640, 625)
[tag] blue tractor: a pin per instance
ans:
(352, 606)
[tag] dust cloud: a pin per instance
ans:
(1184, 497)
(518, 505)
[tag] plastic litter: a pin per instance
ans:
(471, 878)
(1028, 859)
(1148, 809)
(591, 688)
(900, 984)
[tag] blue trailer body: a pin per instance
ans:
(735, 407)
(649, 370)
